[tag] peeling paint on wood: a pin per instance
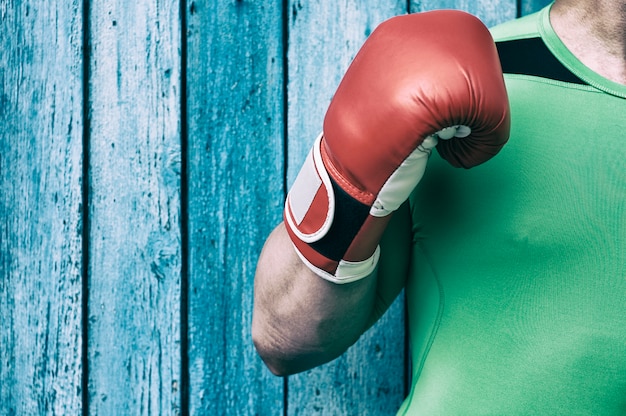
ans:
(235, 114)
(489, 11)
(135, 241)
(531, 6)
(40, 207)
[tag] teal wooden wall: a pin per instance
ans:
(145, 150)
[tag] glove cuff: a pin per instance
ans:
(324, 221)
(344, 271)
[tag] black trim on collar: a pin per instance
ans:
(532, 57)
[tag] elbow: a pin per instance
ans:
(284, 357)
(277, 364)
(277, 358)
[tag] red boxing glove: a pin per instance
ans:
(418, 79)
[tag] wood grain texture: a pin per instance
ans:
(40, 207)
(235, 175)
(531, 6)
(491, 12)
(135, 241)
(323, 39)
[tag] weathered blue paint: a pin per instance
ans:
(530, 6)
(235, 176)
(491, 12)
(231, 142)
(134, 208)
(40, 207)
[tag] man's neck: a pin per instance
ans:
(595, 32)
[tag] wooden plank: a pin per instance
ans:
(235, 165)
(40, 207)
(491, 12)
(531, 6)
(135, 241)
(323, 39)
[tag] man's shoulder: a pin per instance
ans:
(522, 28)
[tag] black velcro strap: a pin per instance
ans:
(350, 215)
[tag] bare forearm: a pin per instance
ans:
(301, 320)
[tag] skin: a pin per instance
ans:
(595, 32)
(301, 321)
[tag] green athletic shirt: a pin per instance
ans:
(516, 290)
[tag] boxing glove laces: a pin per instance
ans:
(420, 81)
